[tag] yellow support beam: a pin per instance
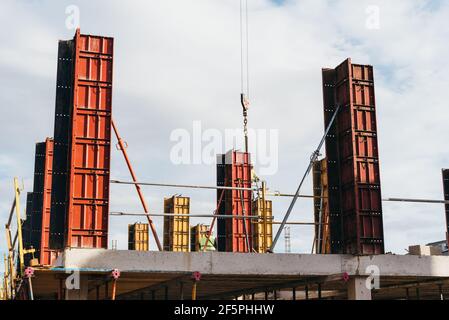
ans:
(11, 273)
(19, 227)
(9, 263)
(5, 279)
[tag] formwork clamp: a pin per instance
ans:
(29, 272)
(115, 274)
(196, 276)
(345, 277)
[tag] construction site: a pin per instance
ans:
(57, 233)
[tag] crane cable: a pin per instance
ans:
(244, 95)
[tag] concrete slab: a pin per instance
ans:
(168, 275)
(225, 263)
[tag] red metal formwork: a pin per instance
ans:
(90, 143)
(446, 197)
(235, 172)
(47, 255)
(357, 161)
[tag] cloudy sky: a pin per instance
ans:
(177, 62)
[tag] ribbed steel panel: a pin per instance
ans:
(40, 215)
(234, 170)
(47, 255)
(221, 223)
(198, 237)
(90, 143)
(177, 228)
(26, 226)
(138, 237)
(38, 197)
(321, 206)
(63, 107)
(332, 156)
(446, 197)
(263, 236)
(353, 160)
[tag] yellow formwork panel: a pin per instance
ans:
(321, 206)
(177, 228)
(263, 227)
(198, 237)
(138, 237)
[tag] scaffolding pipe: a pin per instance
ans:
(189, 186)
(209, 216)
(416, 200)
(271, 194)
(139, 191)
(184, 215)
(171, 185)
(431, 201)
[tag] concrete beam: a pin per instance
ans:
(223, 263)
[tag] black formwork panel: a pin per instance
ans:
(38, 194)
(332, 155)
(221, 223)
(446, 198)
(26, 226)
(64, 97)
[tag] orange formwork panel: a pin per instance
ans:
(234, 170)
(47, 255)
(90, 143)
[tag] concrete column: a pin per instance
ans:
(357, 289)
(81, 293)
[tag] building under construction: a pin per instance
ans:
(66, 229)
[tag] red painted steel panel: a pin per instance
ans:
(237, 173)
(90, 145)
(357, 162)
(47, 255)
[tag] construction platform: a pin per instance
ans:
(168, 275)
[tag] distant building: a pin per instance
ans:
(441, 244)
